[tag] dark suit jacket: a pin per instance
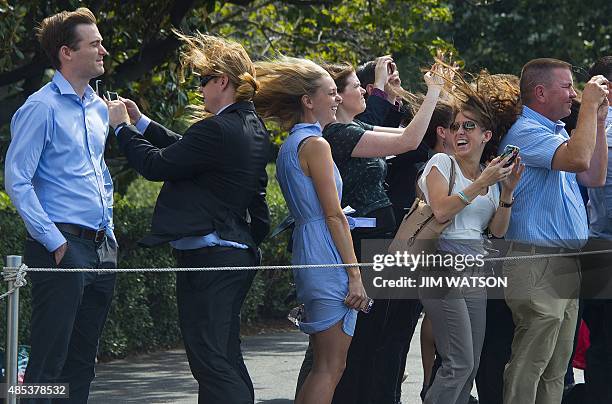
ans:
(380, 112)
(215, 176)
(402, 169)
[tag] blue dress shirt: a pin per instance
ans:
(55, 170)
(548, 209)
(600, 198)
(193, 242)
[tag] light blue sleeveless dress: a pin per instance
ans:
(322, 291)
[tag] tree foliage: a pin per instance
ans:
(503, 35)
(143, 60)
(143, 52)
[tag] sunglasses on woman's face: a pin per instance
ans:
(468, 126)
(205, 79)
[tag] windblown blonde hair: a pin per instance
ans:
(212, 55)
(283, 82)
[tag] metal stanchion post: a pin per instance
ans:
(12, 328)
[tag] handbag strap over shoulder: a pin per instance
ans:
(451, 181)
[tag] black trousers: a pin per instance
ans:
(597, 294)
(376, 358)
(598, 373)
(495, 353)
(209, 306)
(68, 314)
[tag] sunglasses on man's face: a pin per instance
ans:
(205, 79)
(467, 126)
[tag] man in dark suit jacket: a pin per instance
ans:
(211, 209)
(385, 108)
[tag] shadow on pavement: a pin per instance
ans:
(273, 361)
(155, 378)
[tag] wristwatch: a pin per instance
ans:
(503, 204)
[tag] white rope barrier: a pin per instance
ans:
(17, 276)
(288, 267)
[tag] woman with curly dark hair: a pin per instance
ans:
(485, 108)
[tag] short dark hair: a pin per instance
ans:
(60, 30)
(602, 66)
(571, 121)
(366, 73)
(537, 72)
(442, 116)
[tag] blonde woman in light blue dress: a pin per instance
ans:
(303, 98)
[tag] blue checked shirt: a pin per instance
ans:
(548, 209)
(55, 170)
(600, 198)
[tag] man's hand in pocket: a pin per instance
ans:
(59, 253)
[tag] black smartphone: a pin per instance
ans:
(112, 96)
(512, 151)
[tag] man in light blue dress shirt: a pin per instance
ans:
(58, 181)
(549, 217)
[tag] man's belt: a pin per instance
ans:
(82, 232)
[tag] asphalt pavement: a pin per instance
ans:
(273, 360)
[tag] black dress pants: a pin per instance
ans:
(68, 314)
(598, 373)
(377, 354)
(495, 353)
(597, 294)
(209, 304)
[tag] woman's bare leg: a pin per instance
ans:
(330, 349)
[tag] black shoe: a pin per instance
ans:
(472, 400)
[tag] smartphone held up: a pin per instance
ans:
(512, 151)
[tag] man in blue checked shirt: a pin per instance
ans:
(597, 271)
(549, 217)
(61, 187)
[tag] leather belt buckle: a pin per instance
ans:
(82, 232)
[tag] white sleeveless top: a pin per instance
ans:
(471, 221)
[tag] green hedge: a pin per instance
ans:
(143, 315)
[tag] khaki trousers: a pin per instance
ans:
(542, 295)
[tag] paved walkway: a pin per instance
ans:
(273, 361)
